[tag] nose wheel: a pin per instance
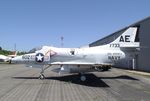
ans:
(41, 76)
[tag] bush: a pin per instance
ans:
(4, 52)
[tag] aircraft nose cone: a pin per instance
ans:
(16, 59)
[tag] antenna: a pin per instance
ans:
(62, 39)
(15, 47)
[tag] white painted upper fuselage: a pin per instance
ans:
(75, 56)
(92, 55)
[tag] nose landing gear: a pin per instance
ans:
(41, 76)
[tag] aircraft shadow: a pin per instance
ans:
(92, 80)
(126, 77)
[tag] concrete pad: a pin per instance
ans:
(19, 83)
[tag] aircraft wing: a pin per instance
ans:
(81, 63)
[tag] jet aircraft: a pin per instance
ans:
(8, 57)
(81, 60)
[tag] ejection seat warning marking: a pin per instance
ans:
(72, 52)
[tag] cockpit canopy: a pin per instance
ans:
(43, 48)
(35, 49)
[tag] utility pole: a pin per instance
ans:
(15, 47)
(62, 39)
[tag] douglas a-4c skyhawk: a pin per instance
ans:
(82, 60)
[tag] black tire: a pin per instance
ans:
(9, 62)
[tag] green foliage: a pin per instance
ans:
(5, 52)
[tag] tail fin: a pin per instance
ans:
(16, 53)
(13, 54)
(126, 39)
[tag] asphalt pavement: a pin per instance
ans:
(20, 83)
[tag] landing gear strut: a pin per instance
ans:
(42, 74)
(44, 67)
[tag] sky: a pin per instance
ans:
(33, 23)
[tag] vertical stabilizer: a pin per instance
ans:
(126, 39)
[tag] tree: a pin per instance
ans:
(0, 48)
